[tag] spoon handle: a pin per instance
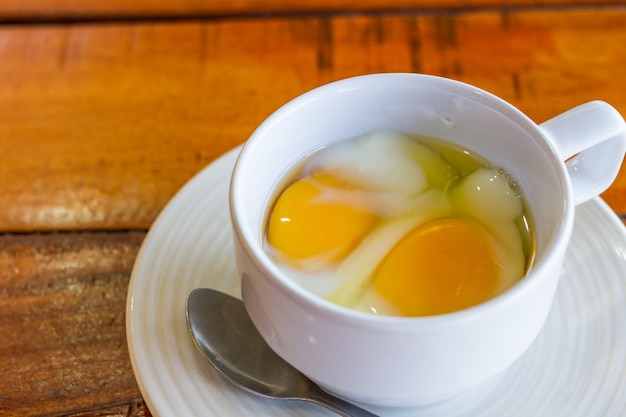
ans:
(339, 406)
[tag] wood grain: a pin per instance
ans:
(62, 331)
(103, 123)
(79, 10)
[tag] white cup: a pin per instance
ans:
(400, 361)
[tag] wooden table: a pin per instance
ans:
(108, 107)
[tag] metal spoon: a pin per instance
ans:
(224, 334)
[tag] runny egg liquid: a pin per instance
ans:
(398, 224)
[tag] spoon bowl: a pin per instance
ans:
(226, 337)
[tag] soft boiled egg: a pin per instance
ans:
(385, 224)
(309, 229)
(460, 257)
(341, 193)
(443, 266)
(459, 261)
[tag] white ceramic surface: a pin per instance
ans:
(575, 368)
(398, 361)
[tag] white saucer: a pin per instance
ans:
(577, 366)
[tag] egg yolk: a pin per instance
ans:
(310, 229)
(440, 267)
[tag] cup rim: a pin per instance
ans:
(278, 279)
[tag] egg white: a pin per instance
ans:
(377, 161)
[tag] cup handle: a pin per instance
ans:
(591, 139)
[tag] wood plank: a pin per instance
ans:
(101, 124)
(136, 408)
(62, 330)
(24, 10)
